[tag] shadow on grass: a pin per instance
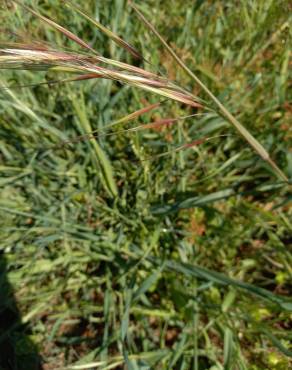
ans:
(17, 351)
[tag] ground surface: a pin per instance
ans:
(113, 278)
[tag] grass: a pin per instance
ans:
(119, 256)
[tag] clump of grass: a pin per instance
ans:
(30, 57)
(181, 263)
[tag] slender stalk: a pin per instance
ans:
(258, 148)
(195, 326)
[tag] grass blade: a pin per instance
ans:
(228, 349)
(55, 25)
(92, 134)
(118, 40)
(147, 283)
(221, 279)
(106, 168)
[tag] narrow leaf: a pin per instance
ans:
(106, 31)
(92, 134)
(222, 279)
(55, 25)
(228, 349)
(147, 283)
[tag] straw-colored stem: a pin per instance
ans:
(259, 149)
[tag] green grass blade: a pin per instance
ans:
(221, 279)
(277, 343)
(228, 349)
(147, 283)
(107, 170)
(59, 28)
(106, 31)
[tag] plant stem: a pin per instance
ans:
(259, 149)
